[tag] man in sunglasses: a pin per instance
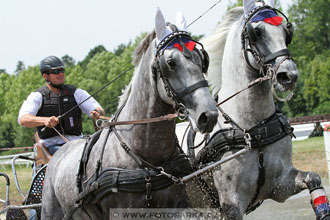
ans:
(42, 107)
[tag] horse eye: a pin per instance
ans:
(257, 31)
(170, 62)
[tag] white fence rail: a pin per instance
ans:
(6, 160)
(304, 130)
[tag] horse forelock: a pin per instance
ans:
(137, 56)
(215, 43)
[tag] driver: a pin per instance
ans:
(42, 107)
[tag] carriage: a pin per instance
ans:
(31, 199)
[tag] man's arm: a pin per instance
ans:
(89, 105)
(31, 121)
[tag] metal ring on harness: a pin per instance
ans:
(99, 123)
(287, 98)
(248, 139)
(182, 112)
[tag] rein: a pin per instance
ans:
(270, 74)
(109, 123)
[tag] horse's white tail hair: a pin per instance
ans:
(215, 44)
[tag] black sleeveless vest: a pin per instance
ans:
(55, 105)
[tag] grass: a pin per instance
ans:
(308, 155)
(24, 175)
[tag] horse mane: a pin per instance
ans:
(137, 56)
(215, 43)
(142, 47)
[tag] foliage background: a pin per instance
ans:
(310, 49)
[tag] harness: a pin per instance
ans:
(110, 180)
(266, 132)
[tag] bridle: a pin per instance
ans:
(249, 38)
(177, 96)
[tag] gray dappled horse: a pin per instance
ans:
(266, 171)
(125, 166)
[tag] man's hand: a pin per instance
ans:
(51, 121)
(96, 113)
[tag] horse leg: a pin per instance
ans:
(294, 181)
(236, 183)
(286, 180)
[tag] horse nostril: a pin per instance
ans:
(286, 78)
(203, 119)
(207, 120)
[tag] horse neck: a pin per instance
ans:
(154, 142)
(251, 106)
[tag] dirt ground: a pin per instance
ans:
(295, 208)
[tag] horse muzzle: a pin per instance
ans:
(286, 76)
(206, 121)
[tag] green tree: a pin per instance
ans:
(68, 61)
(91, 54)
(7, 135)
(310, 49)
(317, 86)
(19, 67)
(120, 49)
(17, 91)
(312, 20)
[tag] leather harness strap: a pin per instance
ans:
(168, 117)
(266, 132)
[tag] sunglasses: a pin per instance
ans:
(56, 71)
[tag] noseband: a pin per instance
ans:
(177, 96)
(249, 38)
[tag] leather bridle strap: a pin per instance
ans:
(284, 52)
(200, 84)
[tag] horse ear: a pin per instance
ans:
(249, 5)
(270, 3)
(181, 21)
(160, 26)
